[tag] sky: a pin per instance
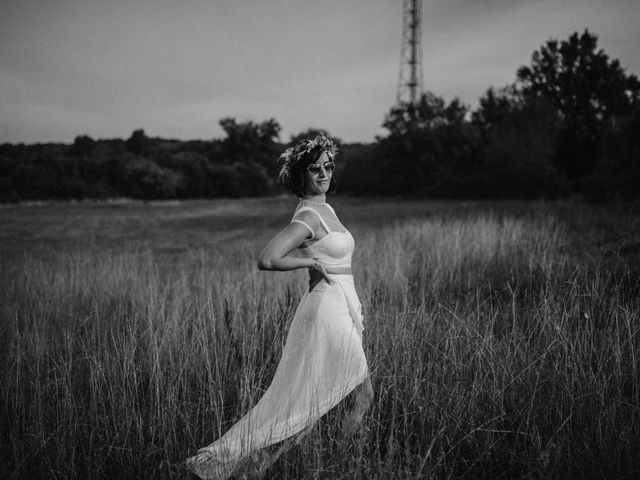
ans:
(175, 68)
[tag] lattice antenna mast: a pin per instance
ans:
(410, 78)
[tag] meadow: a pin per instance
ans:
(503, 338)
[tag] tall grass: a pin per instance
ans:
(495, 352)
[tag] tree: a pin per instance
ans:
(516, 156)
(136, 142)
(618, 175)
(147, 180)
(246, 138)
(251, 142)
(255, 180)
(429, 113)
(588, 89)
(83, 146)
(312, 133)
(495, 105)
(194, 169)
(427, 143)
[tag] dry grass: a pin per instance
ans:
(503, 339)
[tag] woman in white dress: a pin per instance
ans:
(322, 360)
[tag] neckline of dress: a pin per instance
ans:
(312, 202)
(346, 232)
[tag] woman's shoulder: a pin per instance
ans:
(330, 208)
(307, 214)
(309, 218)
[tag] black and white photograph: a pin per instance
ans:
(320, 240)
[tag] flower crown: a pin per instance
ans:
(292, 155)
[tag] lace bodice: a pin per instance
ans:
(334, 248)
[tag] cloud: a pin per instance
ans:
(175, 69)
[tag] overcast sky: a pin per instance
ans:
(175, 68)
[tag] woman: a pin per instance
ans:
(322, 360)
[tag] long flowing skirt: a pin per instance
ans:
(322, 362)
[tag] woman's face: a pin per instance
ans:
(317, 176)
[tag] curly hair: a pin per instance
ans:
(296, 160)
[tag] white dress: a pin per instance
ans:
(322, 362)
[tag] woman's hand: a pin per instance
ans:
(316, 273)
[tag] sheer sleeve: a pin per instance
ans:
(308, 219)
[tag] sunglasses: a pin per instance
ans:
(314, 169)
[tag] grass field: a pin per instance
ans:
(503, 339)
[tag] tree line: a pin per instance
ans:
(569, 124)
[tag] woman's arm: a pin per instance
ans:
(275, 255)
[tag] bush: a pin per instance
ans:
(147, 180)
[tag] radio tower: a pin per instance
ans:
(410, 77)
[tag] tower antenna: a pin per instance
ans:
(410, 78)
